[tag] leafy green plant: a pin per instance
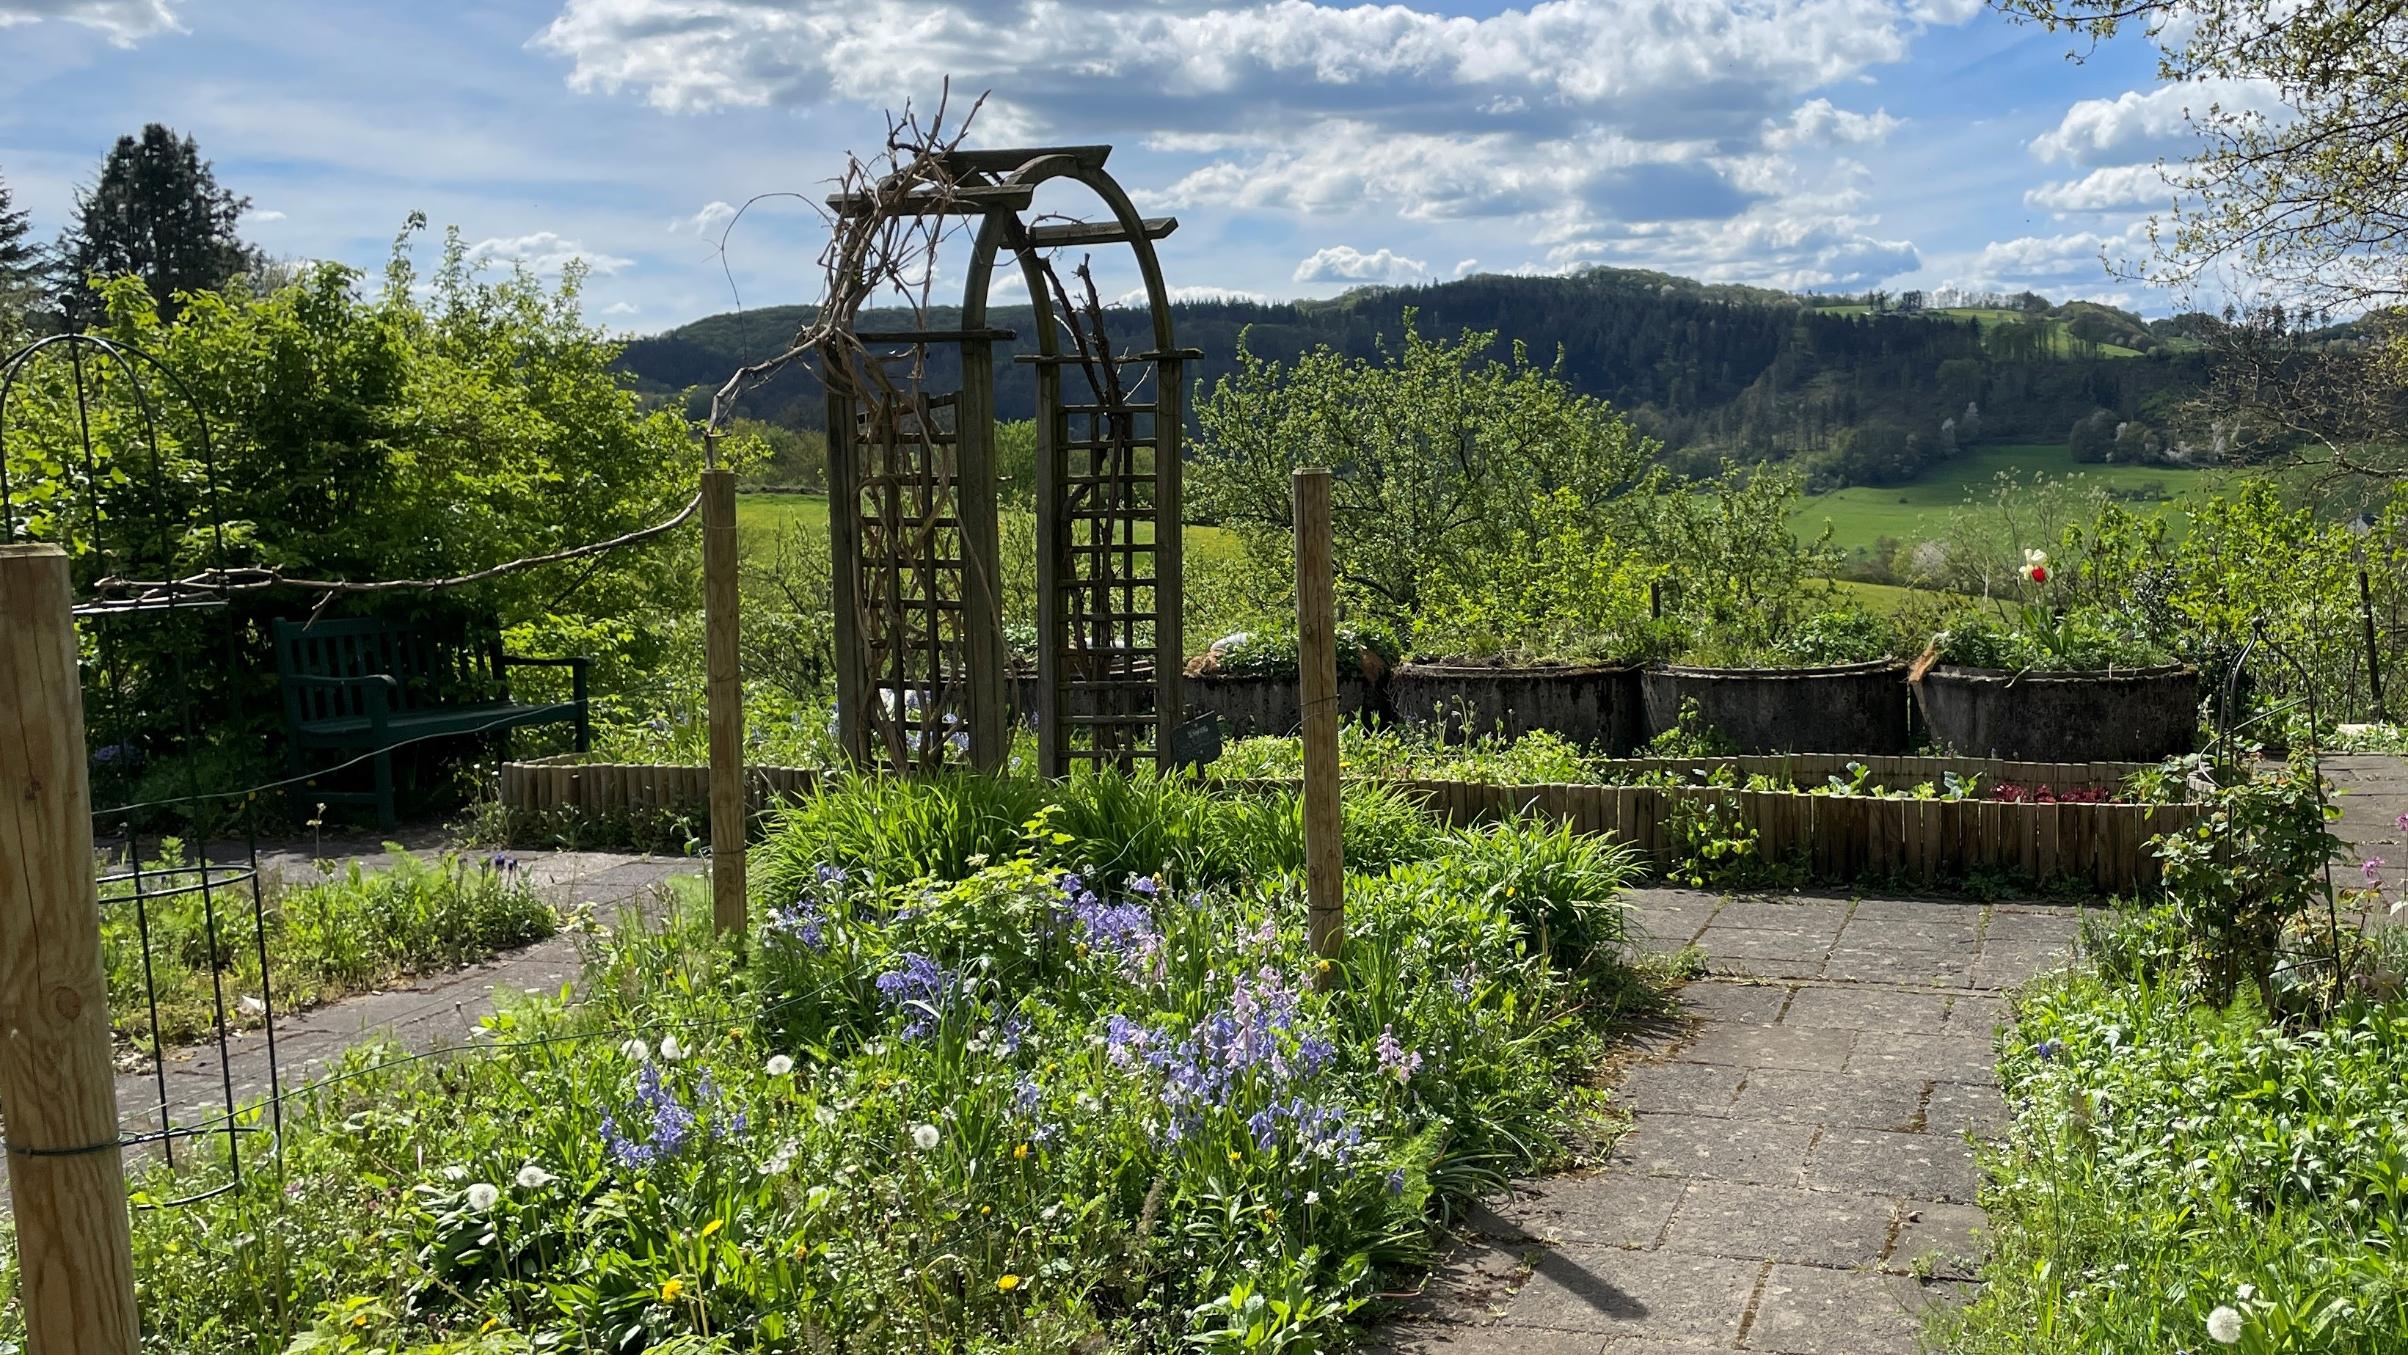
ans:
(2250, 871)
(1690, 736)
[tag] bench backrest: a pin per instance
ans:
(435, 665)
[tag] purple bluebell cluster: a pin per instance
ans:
(672, 1125)
(2050, 1049)
(1125, 1041)
(920, 988)
(1124, 930)
(1396, 1061)
(806, 919)
(1318, 1131)
(1242, 1047)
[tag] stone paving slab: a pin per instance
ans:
(1798, 1178)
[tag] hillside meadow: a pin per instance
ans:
(1861, 515)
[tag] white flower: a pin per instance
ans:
(455, 1173)
(671, 1049)
(637, 1051)
(925, 1136)
(2035, 557)
(780, 1065)
(484, 1195)
(2248, 1291)
(780, 1160)
(2224, 1326)
(825, 1114)
(1312, 1197)
(532, 1177)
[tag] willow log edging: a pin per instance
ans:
(1838, 838)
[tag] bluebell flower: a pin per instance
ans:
(1396, 1181)
(2050, 1048)
(919, 987)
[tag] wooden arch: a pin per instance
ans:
(923, 677)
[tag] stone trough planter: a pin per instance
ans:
(1594, 705)
(1845, 708)
(2120, 715)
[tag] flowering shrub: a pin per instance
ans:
(1027, 1103)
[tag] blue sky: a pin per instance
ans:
(1305, 147)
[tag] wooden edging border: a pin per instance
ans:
(2102, 847)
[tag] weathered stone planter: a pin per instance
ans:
(1268, 705)
(1595, 705)
(2122, 715)
(1846, 708)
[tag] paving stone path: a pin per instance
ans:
(1799, 1177)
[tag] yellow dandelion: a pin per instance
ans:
(985, 1209)
(1020, 1152)
(1007, 1283)
(672, 1290)
(713, 1226)
(1233, 1154)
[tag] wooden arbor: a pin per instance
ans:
(922, 674)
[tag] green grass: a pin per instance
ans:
(760, 516)
(1863, 514)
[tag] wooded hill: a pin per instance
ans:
(1853, 392)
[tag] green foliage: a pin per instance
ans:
(2170, 1157)
(1690, 735)
(1402, 753)
(362, 437)
(327, 938)
(2249, 874)
(1736, 579)
(1437, 446)
(1006, 1109)
(2036, 640)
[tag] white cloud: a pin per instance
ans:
(1585, 109)
(712, 216)
(2162, 121)
(2105, 189)
(1135, 296)
(543, 252)
(262, 215)
(124, 22)
(1794, 244)
(1818, 122)
(622, 308)
(1345, 263)
(1467, 267)
(2075, 258)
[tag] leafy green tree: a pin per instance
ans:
(21, 261)
(1444, 455)
(2092, 438)
(158, 213)
(2305, 192)
(363, 433)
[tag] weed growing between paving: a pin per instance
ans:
(1003, 1067)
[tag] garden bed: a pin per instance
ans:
(2131, 714)
(1594, 706)
(2096, 847)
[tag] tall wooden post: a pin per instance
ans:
(58, 1089)
(725, 679)
(1317, 691)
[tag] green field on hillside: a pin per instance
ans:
(760, 516)
(2061, 341)
(1863, 514)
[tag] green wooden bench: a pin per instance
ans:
(363, 685)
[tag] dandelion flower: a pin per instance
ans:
(532, 1177)
(2224, 1326)
(780, 1065)
(671, 1049)
(637, 1051)
(1020, 1152)
(924, 1136)
(1007, 1283)
(484, 1195)
(672, 1290)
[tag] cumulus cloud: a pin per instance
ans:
(1345, 263)
(705, 222)
(543, 252)
(262, 214)
(2105, 189)
(1819, 122)
(1467, 267)
(2161, 121)
(1796, 244)
(124, 22)
(2040, 261)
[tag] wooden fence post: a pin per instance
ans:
(58, 1087)
(1317, 692)
(726, 690)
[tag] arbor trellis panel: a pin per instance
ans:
(922, 672)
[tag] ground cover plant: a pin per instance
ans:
(340, 932)
(2209, 1147)
(1003, 1066)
